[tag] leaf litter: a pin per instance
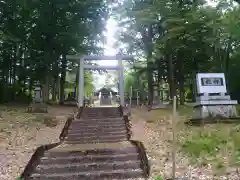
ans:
(155, 131)
(21, 133)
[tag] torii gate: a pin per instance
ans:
(83, 66)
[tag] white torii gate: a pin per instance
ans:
(83, 66)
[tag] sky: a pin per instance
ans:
(99, 80)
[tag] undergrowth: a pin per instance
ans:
(213, 143)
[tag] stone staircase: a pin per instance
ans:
(95, 146)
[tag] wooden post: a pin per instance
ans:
(130, 101)
(130, 97)
(81, 83)
(121, 82)
(138, 98)
(174, 137)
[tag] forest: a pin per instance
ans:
(171, 41)
(35, 39)
(174, 40)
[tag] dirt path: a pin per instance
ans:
(156, 136)
(18, 141)
(157, 148)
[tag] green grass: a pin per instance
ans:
(238, 108)
(158, 178)
(19, 178)
(216, 144)
(203, 143)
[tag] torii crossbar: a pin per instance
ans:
(83, 66)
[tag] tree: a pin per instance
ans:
(186, 37)
(36, 36)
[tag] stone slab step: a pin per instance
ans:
(94, 141)
(96, 129)
(98, 116)
(89, 159)
(108, 124)
(83, 167)
(94, 136)
(104, 119)
(93, 133)
(102, 114)
(92, 149)
(112, 125)
(83, 140)
(107, 111)
(100, 121)
(91, 175)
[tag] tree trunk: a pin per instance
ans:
(149, 51)
(194, 81)
(54, 91)
(227, 59)
(63, 77)
(180, 65)
(150, 83)
(58, 88)
(181, 91)
(30, 87)
(16, 58)
(45, 90)
(172, 84)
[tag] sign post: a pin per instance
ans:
(174, 137)
(212, 100)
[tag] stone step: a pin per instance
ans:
(124, 147)
(90, 175)
(96, 126)
(89, 159)
(116, 119)
(96, 129)
(95, 148)
(94, 137)
(103, 112)
(103, 109)
(83, 167)
(84, 123)
(95, 141)
(98, 133)
(99, 116)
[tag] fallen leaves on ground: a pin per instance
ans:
(155, 131)
(21, 133)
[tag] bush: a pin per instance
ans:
(188, 95)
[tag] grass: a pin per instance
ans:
(158, 178)
(215, 144)
(19, 178)
(203, 143)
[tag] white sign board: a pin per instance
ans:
(211, 83)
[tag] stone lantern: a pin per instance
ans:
(38, 95)
(37, 105)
